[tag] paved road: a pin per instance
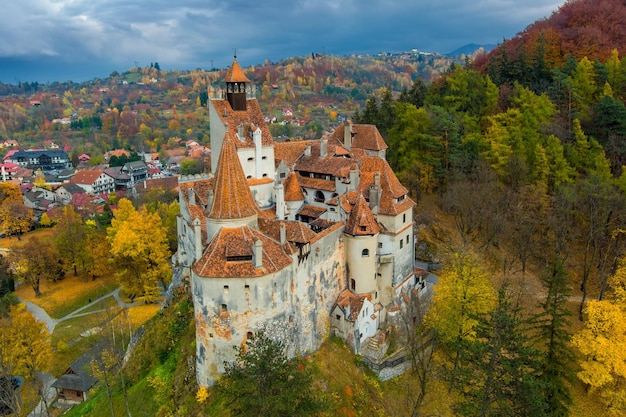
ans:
(41, 315)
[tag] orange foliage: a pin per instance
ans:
(581, 28)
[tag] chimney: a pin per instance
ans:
(240, 132)
(340, 207)
(374, 198)
(258, 152)
(347, 134)
(197, 233)
(283, 234)
(209, 200)
(354, 179)
(307, 150)
(375, 194)
(279, 199)
(258, 253)
(323, 146)
(191, 196)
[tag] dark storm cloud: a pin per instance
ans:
(193, 33)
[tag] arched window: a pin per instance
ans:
(319, 197)
(365, 253)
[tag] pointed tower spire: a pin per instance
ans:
(232, 197)
(361, 221)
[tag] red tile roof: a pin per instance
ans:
(295, 231)
(392, 189)
(290, 151)
(317, 183)
(250, 119)
(293, 192)
(233, 199)
(217, 260)
(364, 137)
(86, 177)
(355, 302)
(235, 74)
(361, 221)
(312, 211)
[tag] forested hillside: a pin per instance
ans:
(522, 155)
(516, 160)
(146, 109)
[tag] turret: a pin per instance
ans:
(361, 241)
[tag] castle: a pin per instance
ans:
(298, 239)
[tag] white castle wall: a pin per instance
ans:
(292, 305)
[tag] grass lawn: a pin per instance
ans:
(63, 297)
(8, 242)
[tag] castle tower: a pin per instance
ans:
(236, 82)
(361, 241)
(233, 204)
(294, 197)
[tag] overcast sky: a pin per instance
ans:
(59, 40)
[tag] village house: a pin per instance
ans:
(94, 182)
(46, 160)
(297, 239)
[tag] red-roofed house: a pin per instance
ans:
(94, 182)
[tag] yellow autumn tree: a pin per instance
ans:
(15, 218)
(139, 249)
(602, 345)
(464, 293)
(40, 180)
(25, 343)
(9, 192)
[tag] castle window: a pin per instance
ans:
(380, 245)
(365, 253)
(338, 317)
(226, 290)
(282, 175)
(404, 218)
(210, 335)
(319, 197)
(401, 244)
(264, 158)
(250, 159)
(407, 239)
(352, 284)
(264, 175)
(224, 308)
(249, 335)
(376, 295)
(363, 228)
(249, 177)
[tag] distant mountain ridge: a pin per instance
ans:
(470, 49)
